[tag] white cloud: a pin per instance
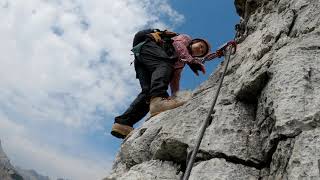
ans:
(75, 51)
(48, 160)
(62, 63)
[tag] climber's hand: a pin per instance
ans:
(219, 53)
(195, 67)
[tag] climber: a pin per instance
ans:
(160, 57)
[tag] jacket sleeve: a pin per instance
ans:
(180, 44)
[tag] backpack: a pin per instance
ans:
(162, 38)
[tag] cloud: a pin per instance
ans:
(72, 55)
(65, 67)
(48, 160)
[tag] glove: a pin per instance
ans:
(219, 53)
(195, 67)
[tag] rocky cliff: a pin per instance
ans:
(7, 171)
(31, 174)
(267, 120)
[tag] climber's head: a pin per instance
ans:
(199, 47)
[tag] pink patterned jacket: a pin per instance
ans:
(180, 44)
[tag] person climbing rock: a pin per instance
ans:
(160, 57)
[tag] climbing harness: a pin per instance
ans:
(227, 50)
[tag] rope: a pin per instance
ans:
(208, 119)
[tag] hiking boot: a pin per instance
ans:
(160, 104)
(120, 130)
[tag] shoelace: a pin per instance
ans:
(168, 99)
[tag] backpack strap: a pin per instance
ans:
(161, 36)
(142, 36)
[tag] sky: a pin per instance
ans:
(65, 74)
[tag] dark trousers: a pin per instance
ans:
(154, 70)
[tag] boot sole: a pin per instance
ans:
(156, 113)
(118, 135)
(120, 131)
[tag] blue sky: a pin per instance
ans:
(65, 74)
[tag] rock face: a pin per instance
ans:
(267, 120)
(7, 171)
(31, 174)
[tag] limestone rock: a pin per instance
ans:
(150, 170)
(304, 162)
(216, 169)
